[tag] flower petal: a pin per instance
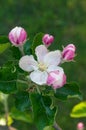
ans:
(55, 72)
(39, 77)
(22, 37)
(13, 35)
(27, 63)
(61, 80)
(40, 52)
(54, 68)
(53, 58)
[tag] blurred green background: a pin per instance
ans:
(66, 20)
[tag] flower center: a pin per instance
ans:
(42, 66)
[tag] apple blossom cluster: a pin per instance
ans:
(46, 70)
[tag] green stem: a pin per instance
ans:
(56, 126)
(38, 90)
(21, 50)
(22, 81)
(5, 102)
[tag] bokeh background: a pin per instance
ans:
(66, 20)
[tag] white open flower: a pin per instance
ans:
(46, 63)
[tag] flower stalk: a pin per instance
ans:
(21, 50)
(5, 103)
(56, 126)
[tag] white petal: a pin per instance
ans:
(39, 77)
(27, 63)
(53, 58)
(54, 68)
(13, 31)
(40, 52)
(18, 31)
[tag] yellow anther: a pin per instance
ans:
(42, 66)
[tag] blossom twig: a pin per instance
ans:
(56, 126)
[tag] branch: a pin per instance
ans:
(56, 126)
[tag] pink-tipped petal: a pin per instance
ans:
(23, 36)
(11, 38)
(50, 79)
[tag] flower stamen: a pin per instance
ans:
(42, 67)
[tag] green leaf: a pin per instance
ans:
(8, 76)
(11, 53)
(43, 114)
(6, 56)
(70, 90)
(37, 41)
(16, 54)
(79, 110)
(10, 121)
(3, 47)
(8, 72)
(4, 39)
(23, 116)
(8, 86)
(22, 101)
(27, 48)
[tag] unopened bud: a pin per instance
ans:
(68, 53)
(47, 40)
(17, 36)
(57, 78)
(80, 126)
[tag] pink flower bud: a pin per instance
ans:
(56, 78)
(17, 36)
(47, 40)
(80, 126)
(68, 53)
